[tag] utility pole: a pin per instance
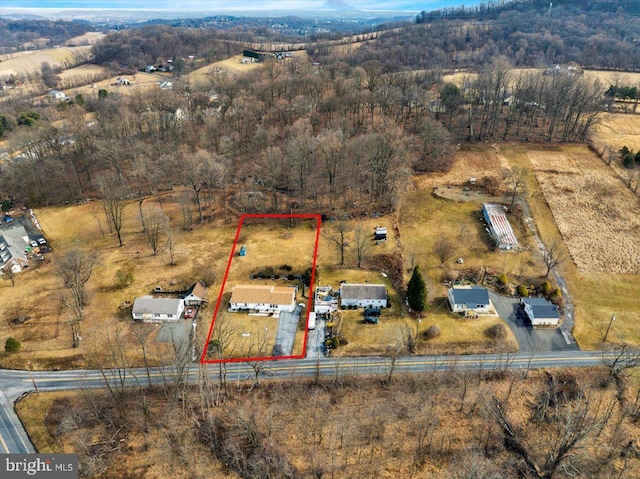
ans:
(613, 317)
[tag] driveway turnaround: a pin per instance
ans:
(529, 338)
(287, 327)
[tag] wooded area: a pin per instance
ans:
(459, 424)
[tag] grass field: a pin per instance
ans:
(82, 71)
(617, 130)
(88, 38)
(603, 236)
(605, 77)
(232, 65)
(31, 63)
(596, 296)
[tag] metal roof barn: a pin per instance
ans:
(499, 226)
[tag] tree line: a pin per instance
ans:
(525, 33)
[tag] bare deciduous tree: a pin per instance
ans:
(156, 222)
(114, 201)
(553, 254)
(444, 249)
(337, 235)
(362, 244)
(516, 179)
(75, 268)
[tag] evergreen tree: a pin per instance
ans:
(12, 345)
(417, 292)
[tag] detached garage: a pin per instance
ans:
(540, 311)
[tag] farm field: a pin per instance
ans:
(596, 295)
(603, 236)
(232, 65)
(82, 71)
(30, 63)
(88, 38)
(616, 130)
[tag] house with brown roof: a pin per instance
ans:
(195, 295)
(262, 298)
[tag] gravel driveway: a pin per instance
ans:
(529, 339)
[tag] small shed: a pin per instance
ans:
(380, 233)
(243, 251)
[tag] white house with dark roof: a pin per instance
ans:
(195, 294)
(156, 310)
(363, 295)
(540, 311)
(470, 300)
(14, 242)
(262, 298)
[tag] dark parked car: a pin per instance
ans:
(372, 312)
(370, 320)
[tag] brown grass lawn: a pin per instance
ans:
(596, 295)
(32, 411)
(270, 243)
(46, 339)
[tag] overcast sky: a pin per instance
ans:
(230, 5)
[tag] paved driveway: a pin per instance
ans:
(315, 339)
(287, 327)
(529, 339)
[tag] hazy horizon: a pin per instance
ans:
(24, 6)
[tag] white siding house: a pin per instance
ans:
(363, 295)
(262, 298)
(325, 302)
(540, 311)
(195, 294)
(469, 300)
(156, 310)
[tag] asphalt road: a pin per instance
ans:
(530, 339)
(14, 384)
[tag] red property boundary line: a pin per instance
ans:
(318, 218)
